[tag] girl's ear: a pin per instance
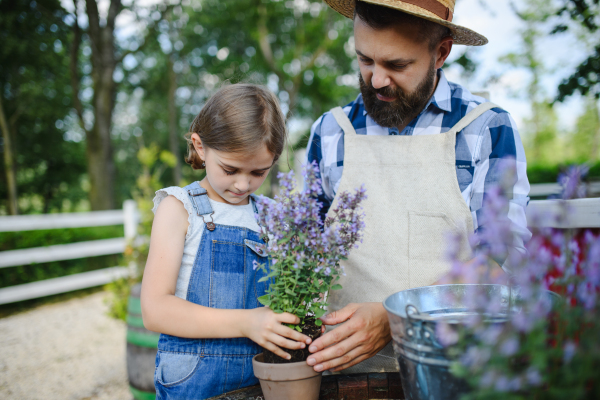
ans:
(198, 145)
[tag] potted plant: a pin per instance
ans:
(305, 255)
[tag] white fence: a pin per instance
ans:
(128, 217)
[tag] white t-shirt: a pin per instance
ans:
(225, 214)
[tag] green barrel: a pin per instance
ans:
(141, 350)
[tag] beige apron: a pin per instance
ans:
(413, 201)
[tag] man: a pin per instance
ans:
(427, 150)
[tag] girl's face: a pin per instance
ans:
(232, 177)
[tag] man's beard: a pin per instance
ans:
(404, 108)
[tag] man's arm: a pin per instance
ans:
(314, 153)
(502, 162)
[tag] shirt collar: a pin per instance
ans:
(442, 96)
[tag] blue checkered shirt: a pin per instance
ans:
(480, 147)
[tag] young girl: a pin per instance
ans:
(199, 288)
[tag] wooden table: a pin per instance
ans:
(339, 387)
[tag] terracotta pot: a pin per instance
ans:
(293, 381)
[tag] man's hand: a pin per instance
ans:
(365, 331)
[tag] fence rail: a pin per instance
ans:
(548, 189)
(583, 213)
(128, 217)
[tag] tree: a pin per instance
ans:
(106, 55)
(302, 51)
(586, 139)
(542, 127)
(40, 165)
(583, 16)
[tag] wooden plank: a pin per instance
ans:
(548, 189)
(582, 213)
(329, 388)
(353, 387)
(16, 223)
(544, 189)
(61, 285)
(378, 386)
(395, 386)
(60, 252)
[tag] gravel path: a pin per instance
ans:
(66, 351)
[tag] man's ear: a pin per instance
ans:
(442, 51)
(198, 145)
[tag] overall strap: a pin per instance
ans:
(472, 116)
(199, 198)
(343, 121)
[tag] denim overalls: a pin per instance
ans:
(222, 277)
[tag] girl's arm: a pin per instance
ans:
(163, 312)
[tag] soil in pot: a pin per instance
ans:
(309, 329)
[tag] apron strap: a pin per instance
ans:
(199, 199)
(472, 116)
(343, 121)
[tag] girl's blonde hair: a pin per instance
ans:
(239, 118)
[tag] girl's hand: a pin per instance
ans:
(263, 326)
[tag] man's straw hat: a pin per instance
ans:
(438, 11)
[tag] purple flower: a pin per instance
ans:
(445, 334)
(569, 350)
(509, 346)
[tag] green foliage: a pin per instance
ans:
(153, 163)
(119, 294)
(586, 16)
(549, 173)
(36, 97)
(586, 139)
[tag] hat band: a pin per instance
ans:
(433, 6)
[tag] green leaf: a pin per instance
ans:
(319, 313)
(337, 286)
(265, 300)
(264, 278)
(288, 291)
(298, 329)
(318, 322)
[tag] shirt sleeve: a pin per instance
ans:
(314, 153)
(502, 161)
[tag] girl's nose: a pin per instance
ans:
(242, 185)
(379, 78)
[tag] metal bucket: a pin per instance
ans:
(413, 314)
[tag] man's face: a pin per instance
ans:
(397, 72)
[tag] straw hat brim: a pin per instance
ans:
(460, 34)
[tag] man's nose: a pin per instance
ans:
(380, 78)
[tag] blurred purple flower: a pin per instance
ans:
(569, 350)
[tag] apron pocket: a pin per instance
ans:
(427, 244)
(175, 368)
